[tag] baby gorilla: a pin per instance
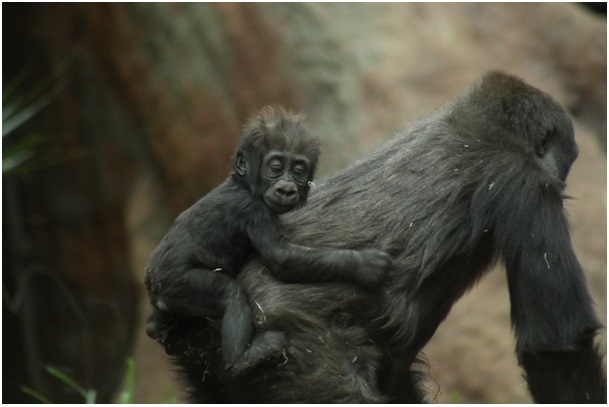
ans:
(191, 273)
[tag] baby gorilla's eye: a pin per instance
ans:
(300, 173)
(299, 170)
(275, 167)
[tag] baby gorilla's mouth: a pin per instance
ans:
(280, 206)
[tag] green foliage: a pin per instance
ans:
(455, 397)
(126, 395)
(23, 153)
(19, 106)
(17, 155)
(171, 397)
(89, 395)
(35, 395)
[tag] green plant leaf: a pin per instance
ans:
(126, 396)
(36, 395)
(69, 381)
(9, 91)
(90, 396)
(15, 161)
(20, 106)
(14, 116)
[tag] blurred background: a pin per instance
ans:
(116, 117)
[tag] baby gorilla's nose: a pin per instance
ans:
(286, 192)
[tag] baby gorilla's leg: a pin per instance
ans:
(238, 331)
(265, 346)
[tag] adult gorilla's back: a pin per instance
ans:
(479, 180)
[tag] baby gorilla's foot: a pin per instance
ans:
(160, 328)
(266, 346)
(153, 328)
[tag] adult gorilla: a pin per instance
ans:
(479, 181)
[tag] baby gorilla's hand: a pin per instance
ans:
(373, 268)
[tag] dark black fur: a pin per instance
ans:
(191, 273)
(479, 181)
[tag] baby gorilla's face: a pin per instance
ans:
(286, 176)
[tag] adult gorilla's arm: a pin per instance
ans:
(479, 180)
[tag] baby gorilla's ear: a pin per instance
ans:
(240, 164)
